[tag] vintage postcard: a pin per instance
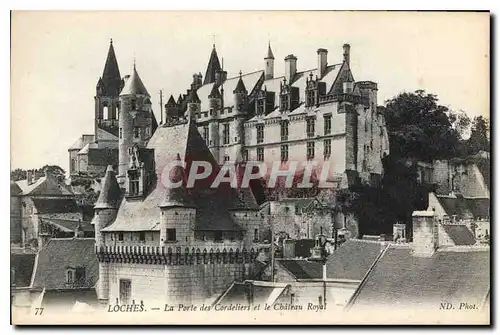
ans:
(250, 167)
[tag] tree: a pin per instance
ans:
(420, 128)
(479, 137)
(54, 170)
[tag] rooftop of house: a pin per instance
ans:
(68, 226)
(459, 234)
(259, 292)
(61, 254)
(46, 185)
(400, 279)
(213, 205)
(55, 205)
(463, 207)
(350, 261)
(22, 265)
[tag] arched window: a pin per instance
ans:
(73, 165)
(106, 112)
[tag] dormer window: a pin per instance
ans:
(260, 106)
(311, 98)
(285, 103)
(70, 276)
(133, 176)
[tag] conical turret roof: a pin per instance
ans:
(171, 101)
(269, 52)
(176, 196)
(110, 191)
(111, 78)
(215, 92)
(240, 86)
(134, 85)
(212, 68)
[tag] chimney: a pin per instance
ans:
(322, 62)
(290, 67)
(29, 177)
(425, 233)
(347, 52)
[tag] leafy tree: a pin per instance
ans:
(479, 138)
(54, 170)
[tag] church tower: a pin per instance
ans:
(136, 121)
(106, 98)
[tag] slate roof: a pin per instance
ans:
(262, 292)
(81, 142)
(69, 226)
(400, 279)
(134, 85)
(351, 261)
(55, 205)
(44, 186)
(212, 67)
(212, 205)
(459, 234)
(23, 268)
(479, 207)
(14, 188)
(60, 254)
(269, 52)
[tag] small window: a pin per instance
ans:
(256, 235)
(142, 236)
(260, 133)
(310, 150)
(225, 133)
(70, 276)
(125, 290)
(284, 153)
(226, 158)
(120, 236)
(328, 124)
(171, 235)
(133, 104)
(310, 126)
(80, 274)
(260, 154)
(120, 132)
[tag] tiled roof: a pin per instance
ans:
(69, 226)
(240, 86)
(459, 234)
(212, 205)
(134, 85)
(14, 188)
(105, 135)
(249, 79)
(60, 254)
(401, 279)
(300, 78)
(351, 261)
(28, 188)
(81, 142)
(23, 268)
(302, 269)
(110, 194)
(461, 207)
(261, 292)
(55, 205)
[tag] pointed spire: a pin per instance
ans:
(134, 85)
(240, 86)
(111, 78)
(177, 196)
(171, 101)
(212, 68)
(269, 52)
(110, 191)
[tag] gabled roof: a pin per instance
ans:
(350, 261)
(399, 279)
(110, 194)
(134, 85)
(111, 78)
(68, 226)
(212, 68)
(213, 205)
(59, 255)
(171, 101)
(258, 292)
(459, 234)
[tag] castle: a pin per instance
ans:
(320, 115)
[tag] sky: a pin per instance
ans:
(57, 58)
